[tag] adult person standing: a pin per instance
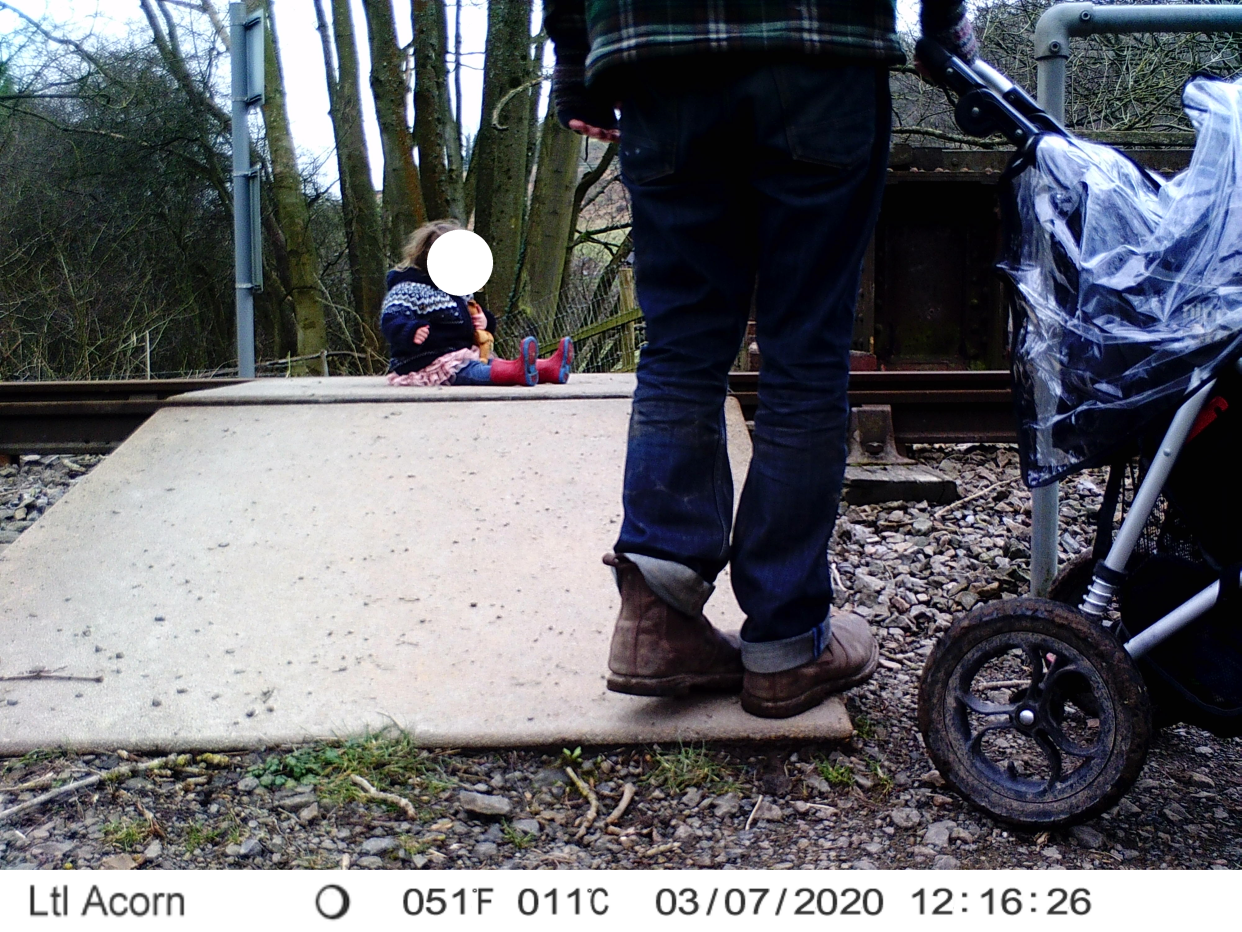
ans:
(753, 141)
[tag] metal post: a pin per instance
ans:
(241, 193)
(247, 81)
(1065, 20)
(1052, 44)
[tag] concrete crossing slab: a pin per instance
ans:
(311, 558)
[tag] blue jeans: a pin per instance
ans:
(474, 373)
(760, 184)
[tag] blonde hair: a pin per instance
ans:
(414, 254)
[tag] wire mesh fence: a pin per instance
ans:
(600, 314)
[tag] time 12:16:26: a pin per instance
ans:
(1008, 902)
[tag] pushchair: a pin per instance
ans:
(1126, 299)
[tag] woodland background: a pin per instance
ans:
(115, 203)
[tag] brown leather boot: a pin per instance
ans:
(849, 659)
(659, 651)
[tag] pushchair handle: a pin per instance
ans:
(988, 102)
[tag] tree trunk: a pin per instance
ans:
(498, 163)
(433, 121)
(347, 197)
(362, 212)
(292, 213)
(549, 225)
(457, 168)
(536, 93)
(404, 209)
(587, 182)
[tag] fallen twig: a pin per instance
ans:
(38, 784)
(40, 675)
(399, 801)
(117, 773)
(751, 818)
(968, 499)
(592, 811)
(627, 796)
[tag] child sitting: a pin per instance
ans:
(434, 336)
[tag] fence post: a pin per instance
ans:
(628, 302)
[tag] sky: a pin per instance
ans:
(302, 59)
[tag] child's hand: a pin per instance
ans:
(421, 334)
(477, 315)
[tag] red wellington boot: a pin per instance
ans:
(556, 368)
(520, 371)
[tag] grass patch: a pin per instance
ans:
(837, 774)
(883, 782)
(689, 766)
(389, 763)
(412, 845)
(198, 835)
(127, 834)
(518, 839)
(864, 727)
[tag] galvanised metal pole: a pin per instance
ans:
(242, 251)
(1052, 43)
(1065, 20)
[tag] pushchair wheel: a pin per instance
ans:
(1033, 713)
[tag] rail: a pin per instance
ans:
(96, 417)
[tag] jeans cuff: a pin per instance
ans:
(787, 653)
(673, 583)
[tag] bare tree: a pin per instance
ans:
(359, 205)
(292, 213)
(403, 205)
(498, 168)
(435, 128)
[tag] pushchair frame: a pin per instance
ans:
(1082, 646)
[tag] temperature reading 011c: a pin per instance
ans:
(1008, 902)
(591, 901)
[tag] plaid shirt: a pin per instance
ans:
(592, 36)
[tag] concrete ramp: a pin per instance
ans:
(285, 560)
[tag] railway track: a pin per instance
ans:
(96, 417)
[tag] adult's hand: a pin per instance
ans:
(956, 36)
(421, 334)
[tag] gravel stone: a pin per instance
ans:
(946, 862)
(377, 846)
(906, 818)
(768, 811)
(1086, 836)
(484, 805)
(938, 833)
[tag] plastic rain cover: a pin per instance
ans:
(1127, 289)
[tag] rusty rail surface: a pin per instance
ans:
(96, 417)
(83, 417)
